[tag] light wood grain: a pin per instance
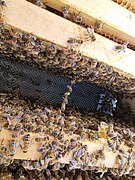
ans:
(116, 20)
(32, 154)
(27, 17)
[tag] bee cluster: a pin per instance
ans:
(68, 62)
(98, 25)
(61, 131)
(23, 117)
(11, 173)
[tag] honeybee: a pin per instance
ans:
(12, 149)
(56, 166)
(73, 165)
(79, 153)
(65, 101)
(2, 3)
(103, 170)
(40, 4)
(48, 173)
(18, 127)
(8, 161)
(24, 144)
(77, 18)
(65, 11)
(75, 41)
(98, 25)
(119, 160)
(122, 47)
(112, 146)
(26, 164)
(90, 34)
(94, 63)
(11, 127)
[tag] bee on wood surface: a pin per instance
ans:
(73, 165)
(2, 3)
(40, 4)
(99, 25)
(12, 147)
(122, 47)
(65, 11)
(112, 145)
(90, 34)
(93, 63)
(77, 18)
(75, 41)
(25, 143)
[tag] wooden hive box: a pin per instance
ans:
(56, 22)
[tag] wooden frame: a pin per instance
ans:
(33, 154)
(117, 21)
(29, 18)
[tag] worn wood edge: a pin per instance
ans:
(116, 20)
(29, 18)
(33, 154)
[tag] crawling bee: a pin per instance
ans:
(12, 148)
(77, 18)
(65, 11)
(122, 47)
(90, 33)
(75, 41)
(40, 4)
(98, 25)
(94, 63)
(25, 143)
(2, 3)
(65, 101)
(56, 166)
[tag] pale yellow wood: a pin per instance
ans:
(117, 20)
(32, 154)
(48, 26)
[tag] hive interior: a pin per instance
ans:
(26, 47)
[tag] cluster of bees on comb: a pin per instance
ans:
(62, 133)
(27, 123)
(69, 62)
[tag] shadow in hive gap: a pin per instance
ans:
(49, 87)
